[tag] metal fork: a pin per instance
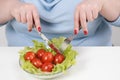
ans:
(66, 42)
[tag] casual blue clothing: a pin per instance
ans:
(57, 19)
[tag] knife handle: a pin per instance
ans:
(52, 46)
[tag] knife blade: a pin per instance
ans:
(50, 44)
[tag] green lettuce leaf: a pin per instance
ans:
(69, 54)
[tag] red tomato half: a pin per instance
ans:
(47, 67)
(37, 63)
(47, 57)
(58, 58)
(40, 53)
(29, 55)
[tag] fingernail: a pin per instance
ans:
(39, 29)
(75, 31)
(85, 32)
(29, 30)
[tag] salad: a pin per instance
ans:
(39, 59)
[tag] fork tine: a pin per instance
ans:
(63, 46)
(66, 42)
(69, 39)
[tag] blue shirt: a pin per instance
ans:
(57, 19)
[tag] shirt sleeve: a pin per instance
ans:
(3, 24)
(116, 22)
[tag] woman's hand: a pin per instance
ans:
(86, 11)
(26, 13)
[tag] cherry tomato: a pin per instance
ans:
(47, 67)
(58, 58)
(37, 63)
(29, 55)
(47, 57)
(40, 53)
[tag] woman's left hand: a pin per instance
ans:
(86, 11)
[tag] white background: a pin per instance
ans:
(115, 36)
(92, 63)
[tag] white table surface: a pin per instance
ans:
(93, 63)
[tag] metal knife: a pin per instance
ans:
(50, 44)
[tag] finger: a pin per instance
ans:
(76, 21)
(17, 16)
(29, 20)
(89, 15)
(83, 21)
(36, 20)
(23, 17)
(95, 13)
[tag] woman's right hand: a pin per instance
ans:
(26, 13)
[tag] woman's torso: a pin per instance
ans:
(57, 19)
